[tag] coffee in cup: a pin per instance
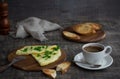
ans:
(94, 53)
(93, 49)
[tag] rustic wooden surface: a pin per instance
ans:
(65, 13)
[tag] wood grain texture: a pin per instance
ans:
(30, 64)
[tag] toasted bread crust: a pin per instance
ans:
(86, 28)
(50, 72)
(95, 26)
(63, 67)
(83, 29)
(71, 35)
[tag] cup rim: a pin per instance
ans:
(92, 44)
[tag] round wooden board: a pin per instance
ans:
(30, 64)
(99, 35)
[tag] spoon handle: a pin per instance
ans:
(90, 65)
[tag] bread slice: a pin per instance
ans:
(50, 72)
(71, 35)
(63, 67)
(95, 26)
(84, 29)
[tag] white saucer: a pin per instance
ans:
(106, 62)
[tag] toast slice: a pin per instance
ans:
(50, 72)
(83, 29)
(63, 67)
(71, 35)
(95, 26)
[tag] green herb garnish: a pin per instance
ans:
(37, 48)
(38, 55)
(47, 54)
(46, 47)
(43, 46)
(25, 50)
(54, 53)
(31, 47)
(56, 48)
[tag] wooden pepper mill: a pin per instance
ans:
(4, 22)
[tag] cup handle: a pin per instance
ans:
(108, 50)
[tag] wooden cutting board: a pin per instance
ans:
(30, 64)
(99, 35)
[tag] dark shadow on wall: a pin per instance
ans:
(67, 9)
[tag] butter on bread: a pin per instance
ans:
(50, 72)
(63, 67)
(71, 35)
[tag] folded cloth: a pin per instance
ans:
(35, 27)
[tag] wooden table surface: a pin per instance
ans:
(65, 13)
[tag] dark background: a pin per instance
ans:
(64, 9)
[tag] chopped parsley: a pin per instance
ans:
(46, 47)
(31, 47)
(54, 53)
(47, 54)
(24, 50)
(38, 55)
(43, 46)
(56, 48)
(37, 48)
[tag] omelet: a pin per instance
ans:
(43, 54)
(26, 50)
(50, 55)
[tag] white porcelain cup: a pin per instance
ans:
(95, 57)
